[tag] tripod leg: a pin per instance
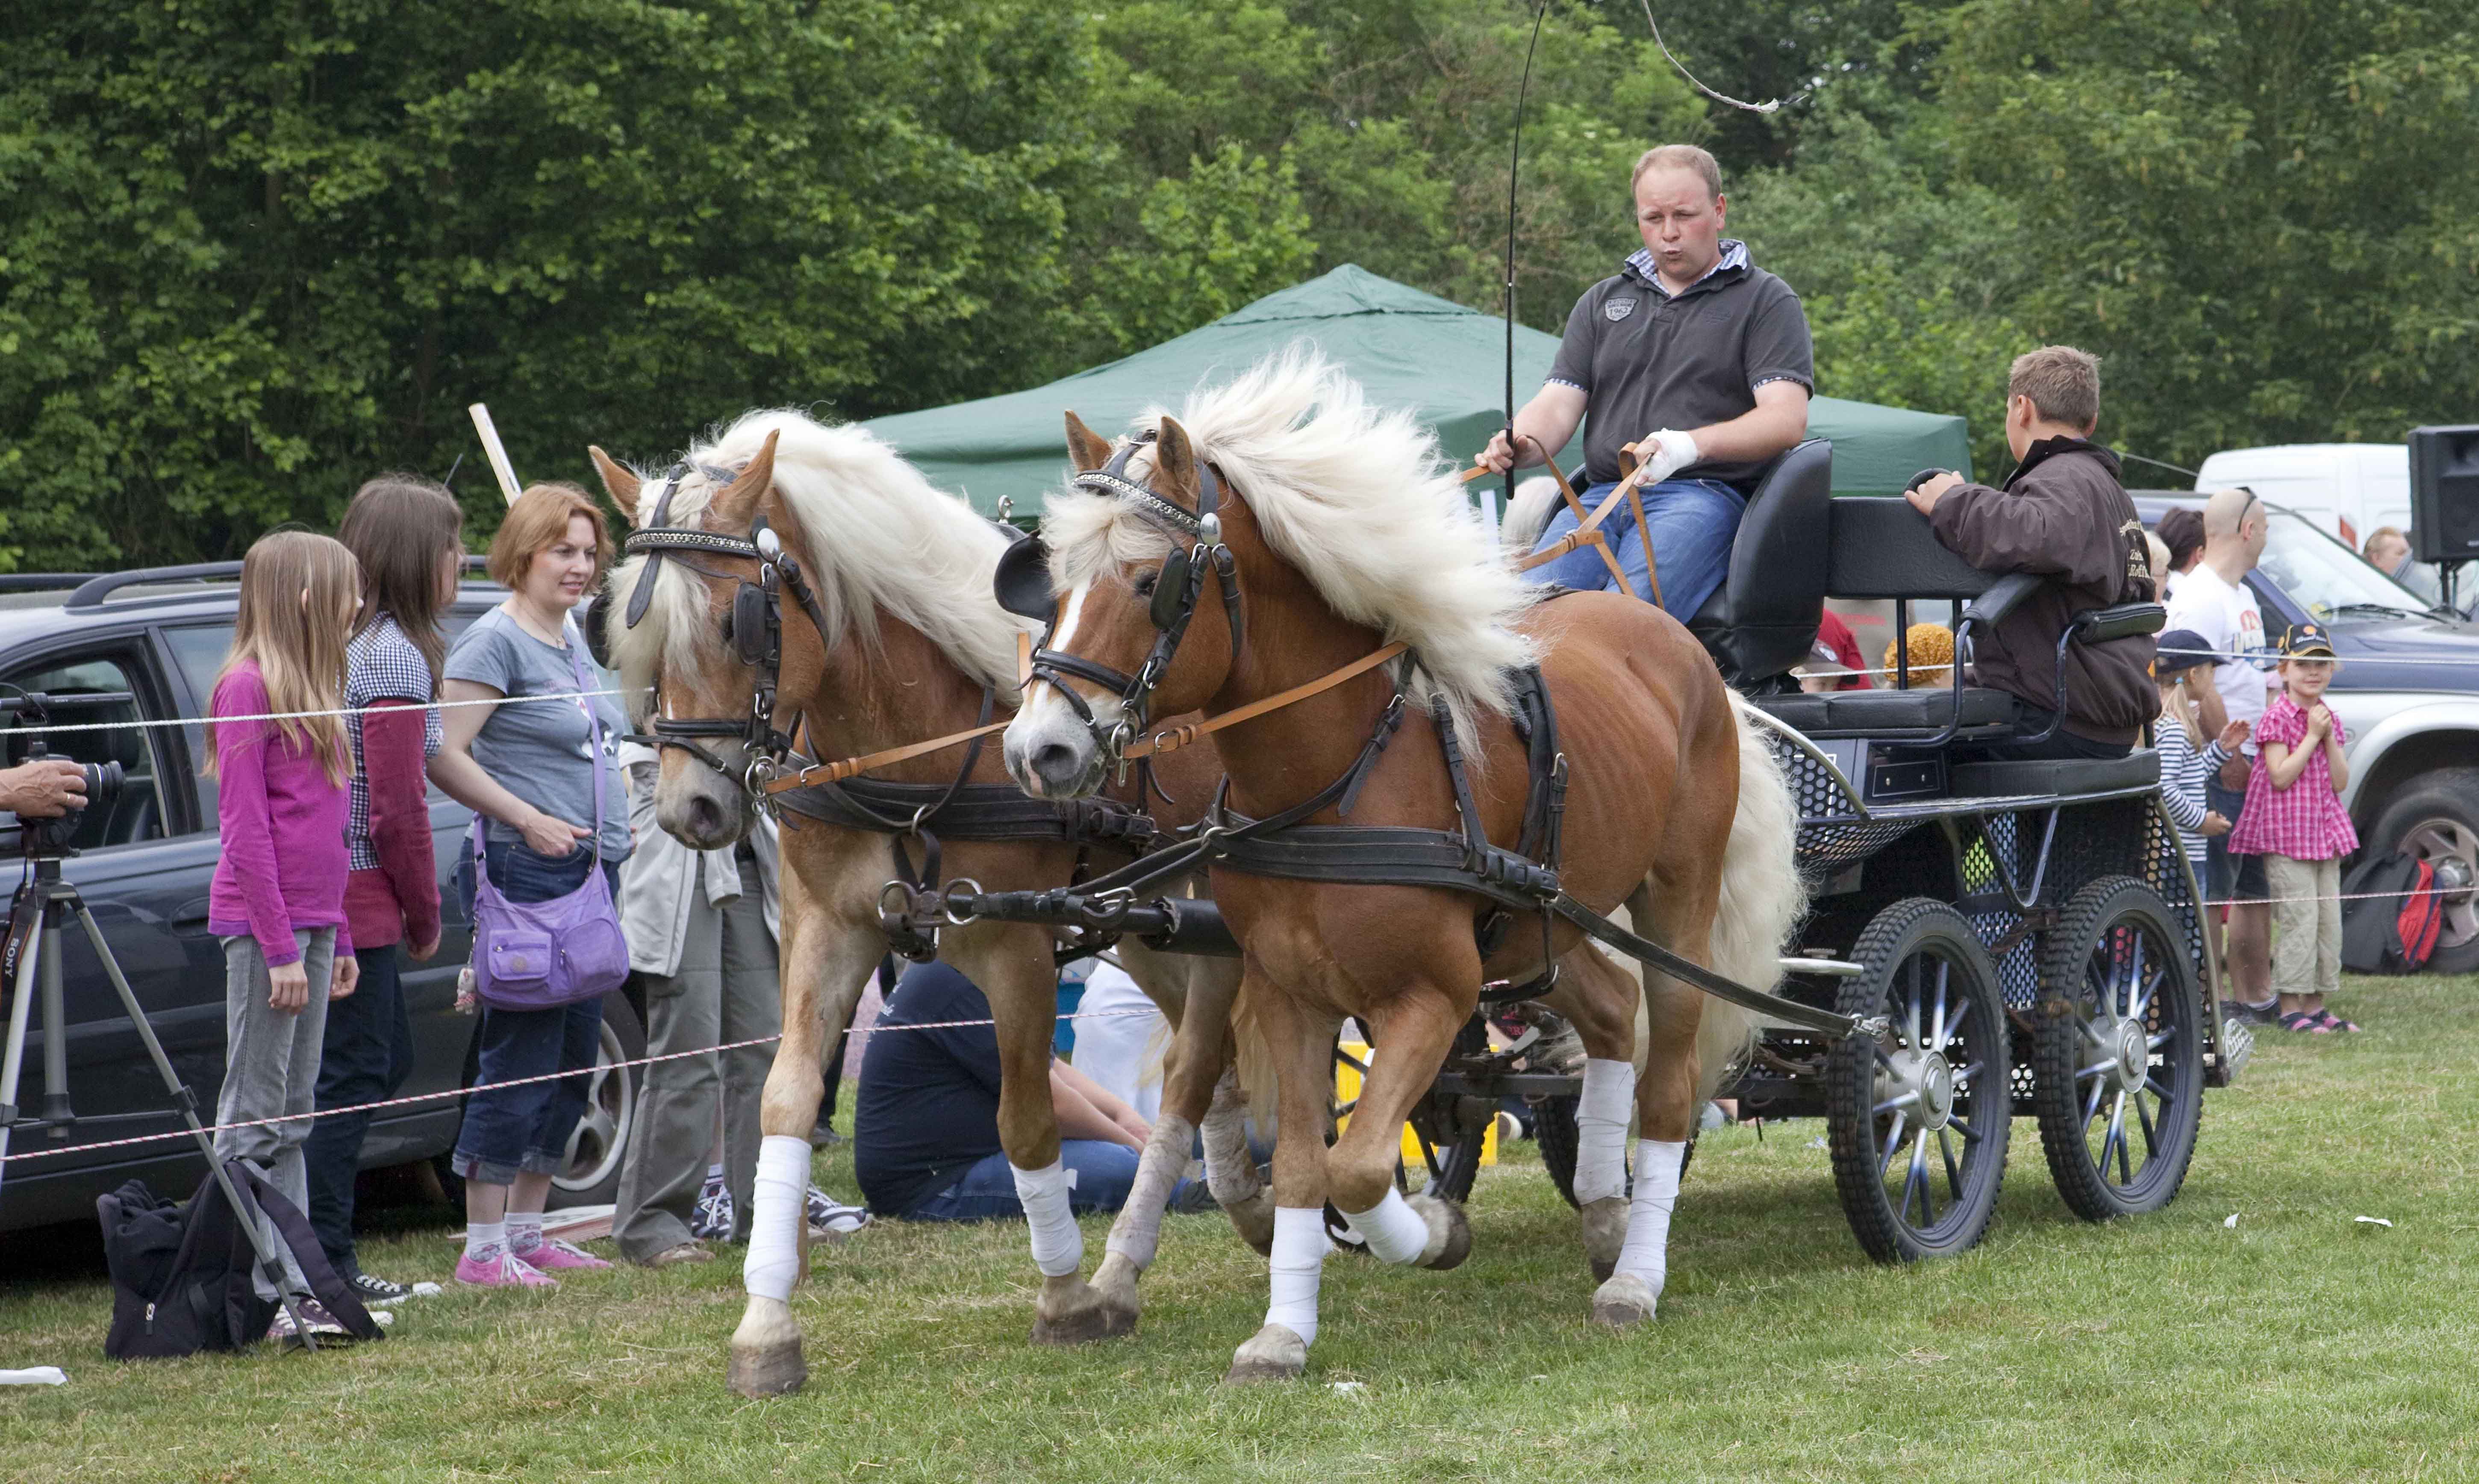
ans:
(270, 1263)
(12, 1061)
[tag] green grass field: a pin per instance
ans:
(2299, 1344)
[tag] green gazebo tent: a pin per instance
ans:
(1407, 347)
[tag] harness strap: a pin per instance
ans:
(1173, 739)
(824, 773)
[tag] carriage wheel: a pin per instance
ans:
(2117, 1051)
(1918, 1119)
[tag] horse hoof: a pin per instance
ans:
(767, 1370)
(1274, 1353)
(1623, 1302)
(1605, 1228)
(1116, 1281)
(1254, 1220)
(1072, 1311)
(1451, 1238)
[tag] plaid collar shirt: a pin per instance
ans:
(1734, 254)
(2305, 820)
(380, 664)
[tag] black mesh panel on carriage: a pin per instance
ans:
(1831, 836)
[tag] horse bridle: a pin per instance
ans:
(753, 625)
(1178, 586)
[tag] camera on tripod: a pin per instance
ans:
(47, 837)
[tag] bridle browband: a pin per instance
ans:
(1178, 586)
(753, 624)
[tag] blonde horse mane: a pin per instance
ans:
(1356, 497)
(876, 535)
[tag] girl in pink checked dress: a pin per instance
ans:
(2294, 820)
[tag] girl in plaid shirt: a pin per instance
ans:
(2294, 818)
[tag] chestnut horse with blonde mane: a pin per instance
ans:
(1349, 535)
(906, 642)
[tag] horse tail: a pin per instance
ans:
(1536, 501)
(1762, 899)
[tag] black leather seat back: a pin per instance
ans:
(1763, 618)
(1881, 547)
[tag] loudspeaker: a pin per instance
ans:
(2444, 492)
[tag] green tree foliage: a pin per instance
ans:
(2264, 214)
(253, 254)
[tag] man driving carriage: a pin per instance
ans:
(1696, 355)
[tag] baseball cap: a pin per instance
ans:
(2305, 640)
(2181, 649)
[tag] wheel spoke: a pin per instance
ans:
(1962, 1012)
(1916, 1178)
(1962, 1126)
(2117, 1133)
(2091, 1109)
(2133, 970)
(2151, 1136)
(2095, 1069)
(2151, 993)
(1967, 1073)
(1907, 1099)
(1952, 1170)
(2090, 1034)
(1893, 1143)
(2158, 1091)
(1913, 1006)
(1936, 1017)
(1884, 1057)
(2155, 1042)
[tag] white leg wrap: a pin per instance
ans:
(1600, 1129)
(1300, 1260)
(1138, 1232)
(775, 1228)
(1393, 1230)
(1057, 1247)
(1229, 1172)
(1646, 1252)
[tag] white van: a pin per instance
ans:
(2346, 488)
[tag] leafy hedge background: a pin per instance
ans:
(250, 254)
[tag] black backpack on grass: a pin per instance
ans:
(181, 1272)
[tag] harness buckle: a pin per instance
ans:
(947, 899)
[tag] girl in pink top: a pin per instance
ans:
(278, 895)
(2294, 820)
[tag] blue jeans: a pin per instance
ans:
(986, 1192)
(366, 1055)
(525, 1129)
(1692, 521)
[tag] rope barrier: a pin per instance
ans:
(286, 716)
(519, 1082)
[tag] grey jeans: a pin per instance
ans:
(271, 1068)
(729, 989)
(2307, 917)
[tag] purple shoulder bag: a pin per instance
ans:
(544, 955)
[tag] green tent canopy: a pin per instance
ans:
(1408, 348)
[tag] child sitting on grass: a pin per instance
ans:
(2294, 818)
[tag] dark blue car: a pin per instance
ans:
(143, 866)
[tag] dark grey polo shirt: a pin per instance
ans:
(1649, 360)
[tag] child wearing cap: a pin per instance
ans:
(2188, 715)
(2294, 818)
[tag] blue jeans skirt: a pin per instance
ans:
(525, 1129)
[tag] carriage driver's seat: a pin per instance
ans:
(1762, 619)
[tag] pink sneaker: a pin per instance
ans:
(502, 1269)
(551, 1253)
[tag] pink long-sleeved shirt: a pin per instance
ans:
(284, 860)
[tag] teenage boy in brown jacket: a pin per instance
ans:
(2064, 515)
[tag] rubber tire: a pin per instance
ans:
(2058, 1048)
(1891, 940)
(2445, 793)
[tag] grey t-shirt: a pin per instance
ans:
(1647, 361)
(540, 751)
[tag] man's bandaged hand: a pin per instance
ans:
(1669, 450)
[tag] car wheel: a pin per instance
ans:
(599, 1143)
(2435, 819)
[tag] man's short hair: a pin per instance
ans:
(2063, 384)
(1679, 157)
